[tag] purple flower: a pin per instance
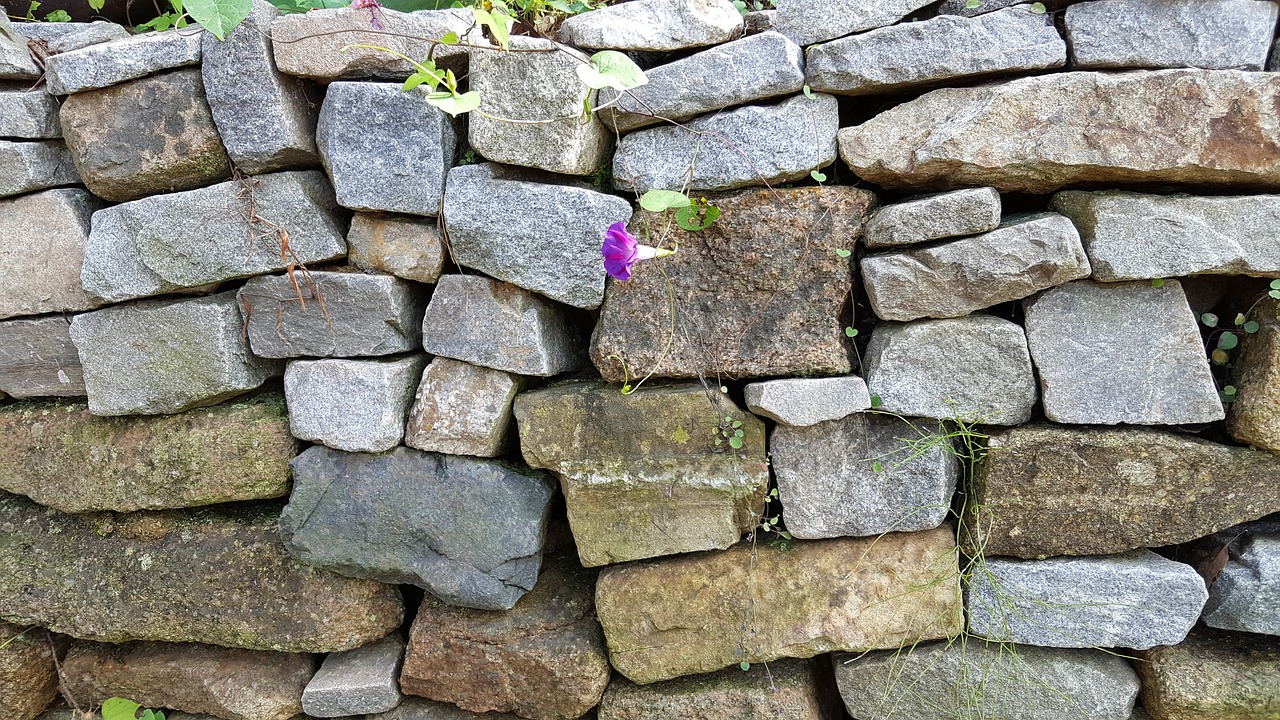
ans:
(373, 6)
(621, 251)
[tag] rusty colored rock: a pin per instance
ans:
(760, 293)
(544, 659)
(1254, 417)
(1218, 676)
(28, 679)
(699, 613)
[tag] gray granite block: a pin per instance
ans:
(805, 401)
(1246, 595)
(811, 21)
(28, 113)
(15, 59)
(357, 681)
(654, 25)
(111, 63)
(351, 405)
(463, 409)
(43, 251)
(315, 44)
(38, 359)
(934, 217)
(65, 37)
(30, 166)
(1209, 34)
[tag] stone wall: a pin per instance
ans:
(316, 399)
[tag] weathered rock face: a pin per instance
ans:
(1027, 254)
(1247, 592)
(224, 682)
(30, 166)
(972, 678)
(358, 681)
(124, 154)
(131, 249)
(975, 368)
(654, 25)
(1218, 676)
(641, 473)
(463, 409)
(331, 314)
(1096, 365)
(28, 114)
(680, 616)
(1171, 126)
(544, 659)
(806, 401)
(787, 690)
(1255, 415)
(28, 678)
(947, 48)
(196, 576)
(544, 218)
(1214, 35)
(102, 65)
(65, 37)
(352, 405)
(422, 709)
(726, 150)
(753, 68)
(166, 356)
(380, 516)
(385, 149)
(44, 251)
(1049, 490)
(830, 487)
(811, 21)
(407, 247)
(774, 309)
(15, 60)
(1135, 600)
(64, 458)
(37, 359)
(934, 217)
(310, 44)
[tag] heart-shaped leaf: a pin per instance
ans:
(219, 17)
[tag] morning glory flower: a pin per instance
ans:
(373, 6)
(621, 251)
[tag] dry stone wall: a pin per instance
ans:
(318, 401)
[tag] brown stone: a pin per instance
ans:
(43, 251)
(220, 576)
(760, 293)
(147, 136)
(704, 612)
(544, 659)
(1254, 417)
(785, 690)
(62, 456)
(463, 409)
(223, 682)
(28, 678)
(405, 246)
(1218, 676)
(1051, 490)
(1201, 127)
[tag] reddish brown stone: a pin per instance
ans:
(28, 678)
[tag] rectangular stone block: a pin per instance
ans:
(934, 217)
(28, 113)
(29, 166)
(43, 252)
(357, 681)
(65, 37)
(37, 358)
(351, 405)
(402, 245)
(1209, 34)
(311, 44)
(463, 409)
(106, 64)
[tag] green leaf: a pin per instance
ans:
(876, 466)
(1251, 327)
(659, 200)
(611, 69)
(843, 253)
(1229, 390)
(160, 24)
(1275, 284)
(1157, 283)
(737, 423)
(1228, 341)
(57, 16)
(119, 709)
(818, 176)
(219, 17)
(1240, 319)
(738, 433)
(499, 24)
(97, 4)
(876, 401)
(735, 443)
(449, 38)
(1274, 293)
(455, 105)
(971, 4)
(1038, 8)
(1219, 357)
(851, 332)
(689, 219)
(744, 665)
(808, 92)
(419, 78)
(724, 389)
(1209, 319)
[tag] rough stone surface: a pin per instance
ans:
(470, 531)
(15, 59)
(1255, 415)
(801, 138)
(754, 68)
(1038, 134)
(654, 25)
(422, 709)
(28, 678)
(934, 217)
(641, 473)
(811, 21)
(974, 368)
(1208, 34)
(165, 356)
(193, 576)
(463, 409)
(341, 314)
(267, 120)
(942, 681)
(679, 616)
(102, 65)
(351, 405)
(385, 149)
(1134, 600)
(38, 359)
(960, 7)
(407, 247)
(778, 309)
(27, 113)
(543, 218)
(45, 235)
(545, 659)
(122, 153)
(29, 166)
(948, 48)
(497, 325)
(224, 682)
(787, 690)
(1246, 595)
(1096, 365)
(568, 145)
(64, 458)
(806, 401)
(1134, 236)
(1050, 490)
(310, 44)
(353, 682)
(65, 37)
(830, 487)
(1027, 254)
(1223, 676)
(131, 250)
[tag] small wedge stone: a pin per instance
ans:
(30, 166)
(806, 401)
(106, 64)
(15, 58)
(1246, 595)
(463, 409)
(351, 405)
(352, 682)
(402, 245)
(934, 217)
(654, 25)
(811, 21)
